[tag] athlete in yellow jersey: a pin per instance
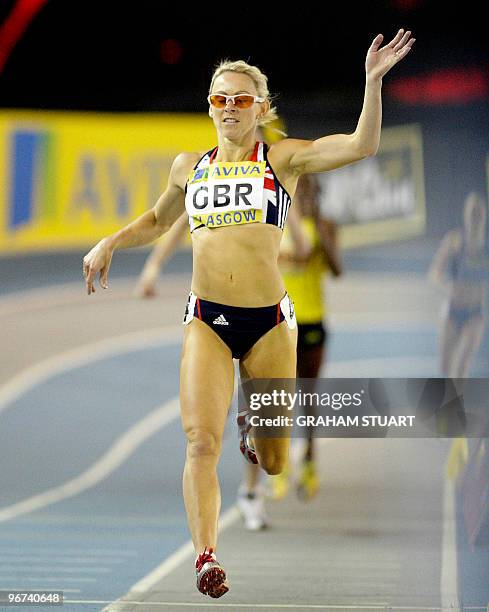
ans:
(303, 275)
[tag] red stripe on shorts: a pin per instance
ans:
(198, 309)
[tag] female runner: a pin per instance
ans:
(237, 196)
(460, 268)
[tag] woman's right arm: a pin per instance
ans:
(146, 228)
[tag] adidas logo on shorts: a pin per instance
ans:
(220, 320)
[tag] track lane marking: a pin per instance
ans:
(83, 355)
(117, 454)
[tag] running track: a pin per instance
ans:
(92, 449)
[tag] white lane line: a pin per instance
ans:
(83, 355)
(379, 607)
(185, 552)
(66, 552)
(254, 606)
(182, 554)
(449, 574)
(119, 452)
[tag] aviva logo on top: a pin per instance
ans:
(70, 179)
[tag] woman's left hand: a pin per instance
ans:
(380, 60)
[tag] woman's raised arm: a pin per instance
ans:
(339, 150)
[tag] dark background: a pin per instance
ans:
(107, 55)
(153, 55)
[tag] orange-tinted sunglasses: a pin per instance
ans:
(240, 100)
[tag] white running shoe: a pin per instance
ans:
(252, 508)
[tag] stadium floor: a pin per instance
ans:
(92, 455)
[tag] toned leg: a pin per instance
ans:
(251, 499)
(468, 343)
(448, 343)
(309, 361)
(463, 351)
(252, 476)
(206, 390)
(273, 356)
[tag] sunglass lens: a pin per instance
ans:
(243, 101)
(218, 101)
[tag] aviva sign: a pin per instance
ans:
(69, 179)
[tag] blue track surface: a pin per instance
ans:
(97, 544)
(135, 518)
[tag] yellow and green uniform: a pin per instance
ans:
(303, 281)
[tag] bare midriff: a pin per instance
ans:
(238, 265)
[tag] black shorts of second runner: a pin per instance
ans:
(311, 335)
(239, 328)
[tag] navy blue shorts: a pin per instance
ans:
(459, 316)
(239, 328)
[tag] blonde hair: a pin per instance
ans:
(259, 79)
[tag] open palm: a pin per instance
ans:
(381, 59)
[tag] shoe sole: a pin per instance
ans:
(214, 583)
(248, 453)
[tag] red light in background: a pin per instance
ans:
(14, 26)
(406, 5)
(171, 51)
(449, 86)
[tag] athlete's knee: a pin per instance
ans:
(273, 463)
(201, 443)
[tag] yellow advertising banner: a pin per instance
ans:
(69, 179)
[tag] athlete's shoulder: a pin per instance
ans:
(281, 153)
(187, 160)
(286, 146)
(182, 166)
